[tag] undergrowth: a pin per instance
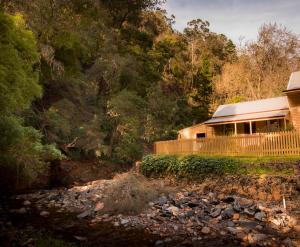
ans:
(130, 193)
(199, 166)
(44, 239)
(187, 166)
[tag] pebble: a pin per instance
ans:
(124, 221)
(233, 230)
(162, 200)
(249, 211)
(236, 216)
(260, 216)
(174, 210)
(84, 214)
(99, 206)
(44, 213)
(205, 230)
(216, 212)
(116, 224)
(26, 203)
(81, 238)
(159, 243)
(245, 203)
(230, 224)
(227, 213)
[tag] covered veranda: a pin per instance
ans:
(247, 124)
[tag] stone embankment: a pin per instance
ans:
(192, 215)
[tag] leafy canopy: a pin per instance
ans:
(18, 65)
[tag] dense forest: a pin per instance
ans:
(95, 79)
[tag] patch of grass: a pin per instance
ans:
(43, 239)
(268, 165)
(262, 170)
(268, 159)
(130, 193)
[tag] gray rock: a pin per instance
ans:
(80, 238)
(174, 210)
(237, 206)
(190, 213)
(124, 221)
(84, 214)
(233, 230)
(181, 218)
(162, 200)
(260, 216)
(182, 201)
(249, 211)
(216, 212)
(245, 203)
(159, 243)
(227, 213)
(230, 224)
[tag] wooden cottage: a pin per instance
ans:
(259, 116)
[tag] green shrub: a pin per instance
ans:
(21, 149)
(188, 166)
(154, 165)
(18, 65)
(194, 165)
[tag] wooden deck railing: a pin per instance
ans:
(266, 144)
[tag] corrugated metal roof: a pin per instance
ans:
(264, 105)
(250, 116)
(294, 82)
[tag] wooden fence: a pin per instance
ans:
(266, 144)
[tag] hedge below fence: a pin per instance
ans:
(187, 166)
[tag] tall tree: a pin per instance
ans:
(262, 68)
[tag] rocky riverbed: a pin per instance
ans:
(187, 216)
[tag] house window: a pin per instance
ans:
(200, 135)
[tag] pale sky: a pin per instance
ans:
(236, 18)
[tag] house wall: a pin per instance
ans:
(191, 132)
(294, 104)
